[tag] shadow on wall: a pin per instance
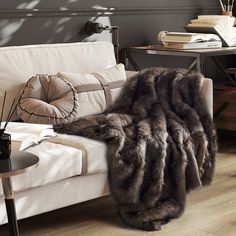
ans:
(43, 21)
(29, 24)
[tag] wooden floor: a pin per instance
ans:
(210, 211)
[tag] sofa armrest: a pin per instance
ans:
(130, 73)
(207, 90)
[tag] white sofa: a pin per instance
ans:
(72, 169)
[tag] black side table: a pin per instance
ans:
(199, 55)
(18, 163)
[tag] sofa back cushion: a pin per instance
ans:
(97, 90)
(19, 63)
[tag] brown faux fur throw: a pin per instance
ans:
(161, 144)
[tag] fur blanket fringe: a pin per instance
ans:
(161, 144)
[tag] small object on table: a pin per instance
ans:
(17, 163)
(5, 145)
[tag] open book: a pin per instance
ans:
(25, 135)
(216, 24)
(181, 37)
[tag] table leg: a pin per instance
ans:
(223, 70)
(193, 64)
(200, 64)
(123, 58)
(132, 61)
(10, 206)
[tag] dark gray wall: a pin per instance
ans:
(52, 21)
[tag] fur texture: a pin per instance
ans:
(161, 144)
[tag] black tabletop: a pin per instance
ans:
(161, 50)
(18, 163)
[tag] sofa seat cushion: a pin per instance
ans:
(93, 151)
(56, 162)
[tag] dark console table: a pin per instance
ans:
(199, 56)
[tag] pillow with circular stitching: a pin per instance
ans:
(48, 99)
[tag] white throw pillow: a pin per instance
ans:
(96, 91)
(47, 99)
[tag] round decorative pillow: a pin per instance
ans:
(48, 99)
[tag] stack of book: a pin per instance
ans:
(221, 25)
(179, 40)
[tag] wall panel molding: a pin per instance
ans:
(25, 13)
